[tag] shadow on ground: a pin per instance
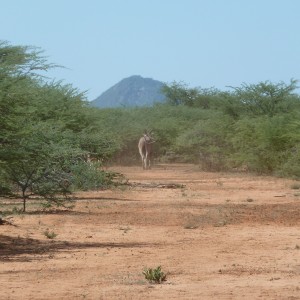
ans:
(26, 249)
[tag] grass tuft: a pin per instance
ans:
(154, 275)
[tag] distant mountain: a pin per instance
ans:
(129, 92)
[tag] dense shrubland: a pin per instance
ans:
(48, 130)
(253, 127)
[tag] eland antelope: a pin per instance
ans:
(145, 149)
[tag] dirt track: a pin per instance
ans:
(216, 235)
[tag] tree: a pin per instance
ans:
(44, 129)
(178, 93)
(38, 163)
(266, 98)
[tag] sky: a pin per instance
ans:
(201, 43)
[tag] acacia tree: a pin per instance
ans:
(41, 130)
(178, 93)
(39, 162)
(266, 98)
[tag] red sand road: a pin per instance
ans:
(216, 235)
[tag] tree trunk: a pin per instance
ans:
(24, 200)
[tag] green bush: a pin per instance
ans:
(154, 275)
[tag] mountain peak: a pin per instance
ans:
(130, 92)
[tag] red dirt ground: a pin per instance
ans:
(216, 235)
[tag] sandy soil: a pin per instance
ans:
(216, 235)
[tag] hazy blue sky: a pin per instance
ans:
(203, 43)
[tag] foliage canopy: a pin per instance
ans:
(47, 131)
